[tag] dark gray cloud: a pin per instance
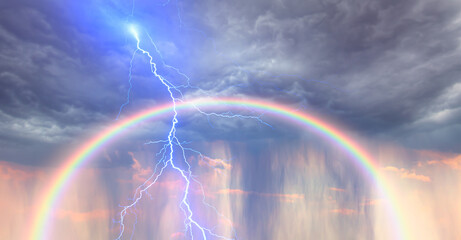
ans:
(387, 69)
(384, 65)
(51, 87)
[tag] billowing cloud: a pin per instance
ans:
(386, 69)
(448, 159)
(404, 173)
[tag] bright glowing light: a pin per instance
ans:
(133, 30)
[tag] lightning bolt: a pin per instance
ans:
(167, 152)
(172, 144)
(190, 221)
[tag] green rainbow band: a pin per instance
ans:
(42, 217)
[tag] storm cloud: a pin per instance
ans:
(386, 69)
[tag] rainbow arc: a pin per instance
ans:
(41, 222)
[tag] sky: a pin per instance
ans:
(387, 73)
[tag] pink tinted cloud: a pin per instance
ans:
(215, 163)
(337, 189)
(405, 173)
(344, 211)
(413, 175)
(140, 174)
(450, 160)
(18, 173)
(371, 202)
(177, 235)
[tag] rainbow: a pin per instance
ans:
(41, 220)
